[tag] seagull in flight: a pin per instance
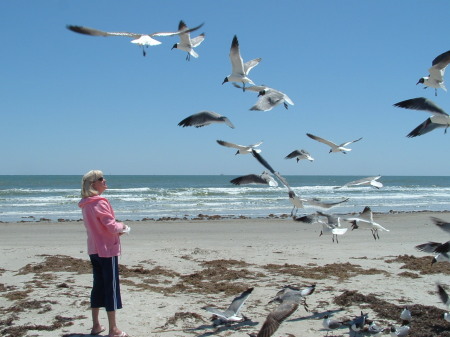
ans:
(268, 98)
(231, 314)
(334, 148)
(439, 118)
(299, 155)
(373, 181)
(241, 149)
(143, 40)
(365, 220)
(445, 299)
(205, 118)
(186, 43)
(436, 77)
(444, 225)
(289, 298)
(239, 69)
(264, 179)
(440, 249)
(263, 162)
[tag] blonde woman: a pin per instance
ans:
(103, 242)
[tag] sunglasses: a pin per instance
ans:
(100, 179)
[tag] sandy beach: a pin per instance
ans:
(171, 269)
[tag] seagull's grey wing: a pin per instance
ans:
(269, 100)
(262, 161)
(201, 119)
(425, 127)
(321, 140)
(249, 179)
(255, 88)
(217, 312)
(319, 203)
(367, 214)
(293, 154)
(445, 226)
(276, 317)
(251, 64)
(195, 41)
(227, 121)
(443, 295)
(429, 247)
(238, 302)
(183, 31)
(441, 61)
(96, 32)
(228, 144)
(237, 64)
(353, 141)
(422, 104)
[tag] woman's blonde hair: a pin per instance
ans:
(87, 190)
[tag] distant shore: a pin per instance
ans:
(170, 269)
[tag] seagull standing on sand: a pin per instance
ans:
(399, 332)
(330, 324)
(436, 77)
(406, 316)
(232, 313)
(241, 149)
(186, 43)
(268, 98)
(373, 181)
(334, 148)
(445, 299)
(365, 221)
(299, 155)
(290, 299)
(264, 179)
(239, 69)
(205, 118)
(143, 40)
(439, 118)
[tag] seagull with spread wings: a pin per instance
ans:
(241, 149)
(435, 79)
(204, 118)
(239, 69)
(268, 98)
(143, 40)
(186, 43)
(439, 118)
(334, 147)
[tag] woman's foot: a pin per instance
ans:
(120, 334)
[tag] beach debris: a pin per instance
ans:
(241, 149)
(204, 118)
(231, 314)
(372, 181)
(334, 147)
(299, 155)
(268, 98)
(365, 221)
(143, 40)
(435, 79)
(264, 179)
(186, 43)
(239, 69)
(439, 118)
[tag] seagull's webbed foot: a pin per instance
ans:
(285, 105)
(188, 57)
(435, 92)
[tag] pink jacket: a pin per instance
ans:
(101, 226)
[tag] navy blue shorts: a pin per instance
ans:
(105, 290)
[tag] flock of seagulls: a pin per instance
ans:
(268, 98)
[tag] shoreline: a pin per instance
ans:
(206, 217)
(171, 269)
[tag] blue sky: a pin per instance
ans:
(71, 103)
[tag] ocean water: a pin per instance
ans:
(31, 198)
